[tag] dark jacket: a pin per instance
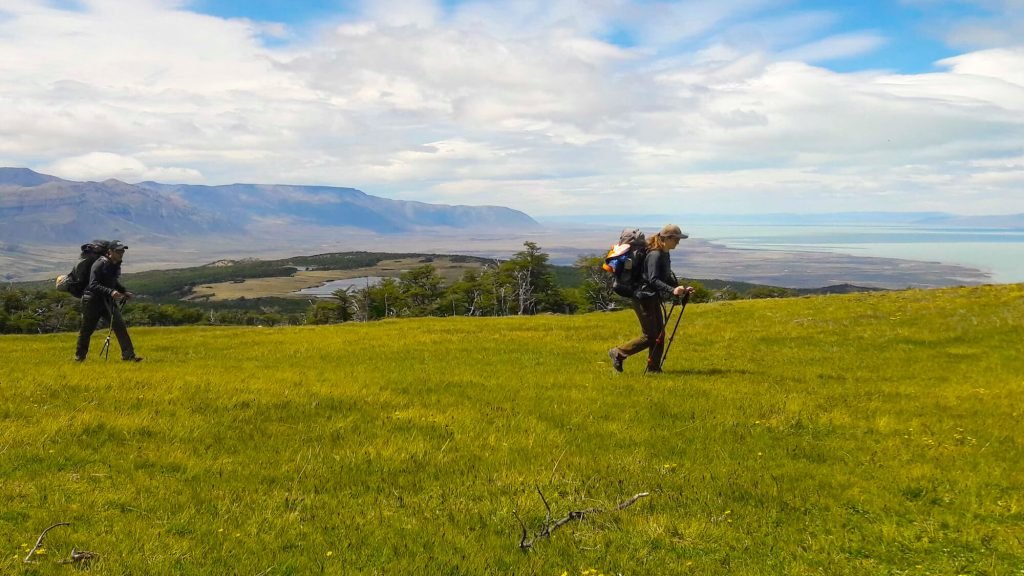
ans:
(104, 279)
(658, 277)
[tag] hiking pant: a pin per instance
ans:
(92, 310)
(652, 322)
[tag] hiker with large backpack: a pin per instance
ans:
(75, 281)
(649, 280)
(102, 297)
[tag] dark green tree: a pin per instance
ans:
(421, 289)
(326, 312)
(532, 281)
(383, 300)
(466, 295)
(348, 303)
(596, 289)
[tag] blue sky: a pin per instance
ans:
(549, 106)
(911, 31)
(294, 13)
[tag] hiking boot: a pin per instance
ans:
(653, 367)
(617, 359)
(132, 359)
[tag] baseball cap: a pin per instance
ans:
(672, 231)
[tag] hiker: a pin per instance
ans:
(102, 299)
(658, 283)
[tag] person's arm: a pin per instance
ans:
(97, 276)
(655, 276)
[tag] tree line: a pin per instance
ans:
(525, 284)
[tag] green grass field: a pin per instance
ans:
(862, 434)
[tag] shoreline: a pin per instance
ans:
(695, 258)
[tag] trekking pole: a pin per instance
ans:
(661, 335)
(105, 351)
(686, 298)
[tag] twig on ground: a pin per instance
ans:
(547, 519)
(548, 527)
(632, 500)
(39, 542)
(80, 557)
(523, 544)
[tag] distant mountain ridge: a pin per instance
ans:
(333, 206)
(38, 208)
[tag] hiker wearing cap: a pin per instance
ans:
(102, 298)
(659, 283)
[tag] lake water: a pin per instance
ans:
(324, 290)
(997, 252)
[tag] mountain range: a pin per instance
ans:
(41, 209)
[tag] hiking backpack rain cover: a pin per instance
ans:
(625, 262)
(74, 282)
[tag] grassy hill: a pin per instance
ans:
(875, 433)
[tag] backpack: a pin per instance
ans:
(625, 262)
(74, 282)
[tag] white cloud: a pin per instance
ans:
(718, 106)
(422, 13)
(96, 166)
(835, 47)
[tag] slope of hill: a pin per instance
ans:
(872, 433)
(40, 209)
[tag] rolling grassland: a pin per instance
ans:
(878, 433)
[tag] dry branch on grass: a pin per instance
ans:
(77, 556)
(80, 557)
(549, 526)
(39, 542)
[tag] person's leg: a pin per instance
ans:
(91, 314)
(639, 343)
(121, 331)
(648, 312)
(656, 327)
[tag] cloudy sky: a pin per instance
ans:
(549, 106)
